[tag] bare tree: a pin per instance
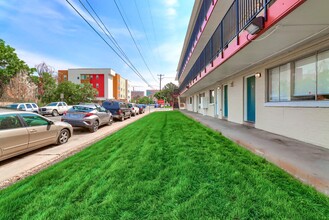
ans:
(44, 68)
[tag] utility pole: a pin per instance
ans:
(160, 77)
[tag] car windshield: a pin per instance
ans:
(12, 106)
(130, 105)
(52, 104)
(78, 108)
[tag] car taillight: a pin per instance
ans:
(119, 112)
(132, 108)
(64, 113)
(88, 114)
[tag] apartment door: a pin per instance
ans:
(251, 100)
(225, 101)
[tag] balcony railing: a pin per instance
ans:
(239, 15)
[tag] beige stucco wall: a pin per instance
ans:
(308, 124)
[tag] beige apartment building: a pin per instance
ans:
(261, 63)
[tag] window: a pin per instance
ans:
(279, 85)
(323, 76)
(304, 79)
(97, 85)
(191, 100)
(34, 120)
(97, 76)
(211, 96)
(9, 121)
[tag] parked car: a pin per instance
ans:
(89, 116)
(29, 107)
(118, 109)
(21, 132)
(134, 109)
(54, 109)
(141, 108)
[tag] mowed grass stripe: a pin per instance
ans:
(163, 166)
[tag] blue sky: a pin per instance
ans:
(51, 31)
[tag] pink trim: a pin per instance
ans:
(276, 12)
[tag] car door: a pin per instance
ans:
(29, 107)
(103, 115)
(14, 136)
(60, 108)
(40, 130)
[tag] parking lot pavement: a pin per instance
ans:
(19, 167)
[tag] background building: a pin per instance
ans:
(137, 94)
(261, 63)
(150, 93)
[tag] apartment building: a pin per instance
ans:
(100, 78)
(262, 63)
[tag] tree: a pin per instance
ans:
(75, 93)
(47, 88)
(10, 65)
(144, 100)
(167, 92)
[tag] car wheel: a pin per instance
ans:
(94, 128)
(110, 121)
(63, 137)
(54, 113)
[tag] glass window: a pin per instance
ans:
(274, 84)
(9, 121)
(305, 77)
(323, 73)
(191, 100)
(285, 74)
(34, 120)
(28, 106)
(211, 96)
(21, 107)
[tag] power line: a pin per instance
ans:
(140, 18)
(116, 44)
(107, 43)
(154, 33)
(131, 35)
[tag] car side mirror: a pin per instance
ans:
(50, 122)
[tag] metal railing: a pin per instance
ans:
(239, 15)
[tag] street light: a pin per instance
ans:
(256, 25)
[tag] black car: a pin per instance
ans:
(119, 110)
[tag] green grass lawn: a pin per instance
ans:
(163, 166)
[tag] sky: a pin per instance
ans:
(51, 31)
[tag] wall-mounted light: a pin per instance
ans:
(232, 84)
(258, 75)
(256, 25)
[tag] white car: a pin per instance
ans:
(29, 107)
(54, 109)
(134, 109)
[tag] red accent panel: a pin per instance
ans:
(98, 79)
(276, 12)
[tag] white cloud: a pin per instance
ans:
(171, 2)
(171, 12)
(32, 59)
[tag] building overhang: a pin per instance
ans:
(285, 30)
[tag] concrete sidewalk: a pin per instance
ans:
(307, 162)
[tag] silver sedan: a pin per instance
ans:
(88, 116)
